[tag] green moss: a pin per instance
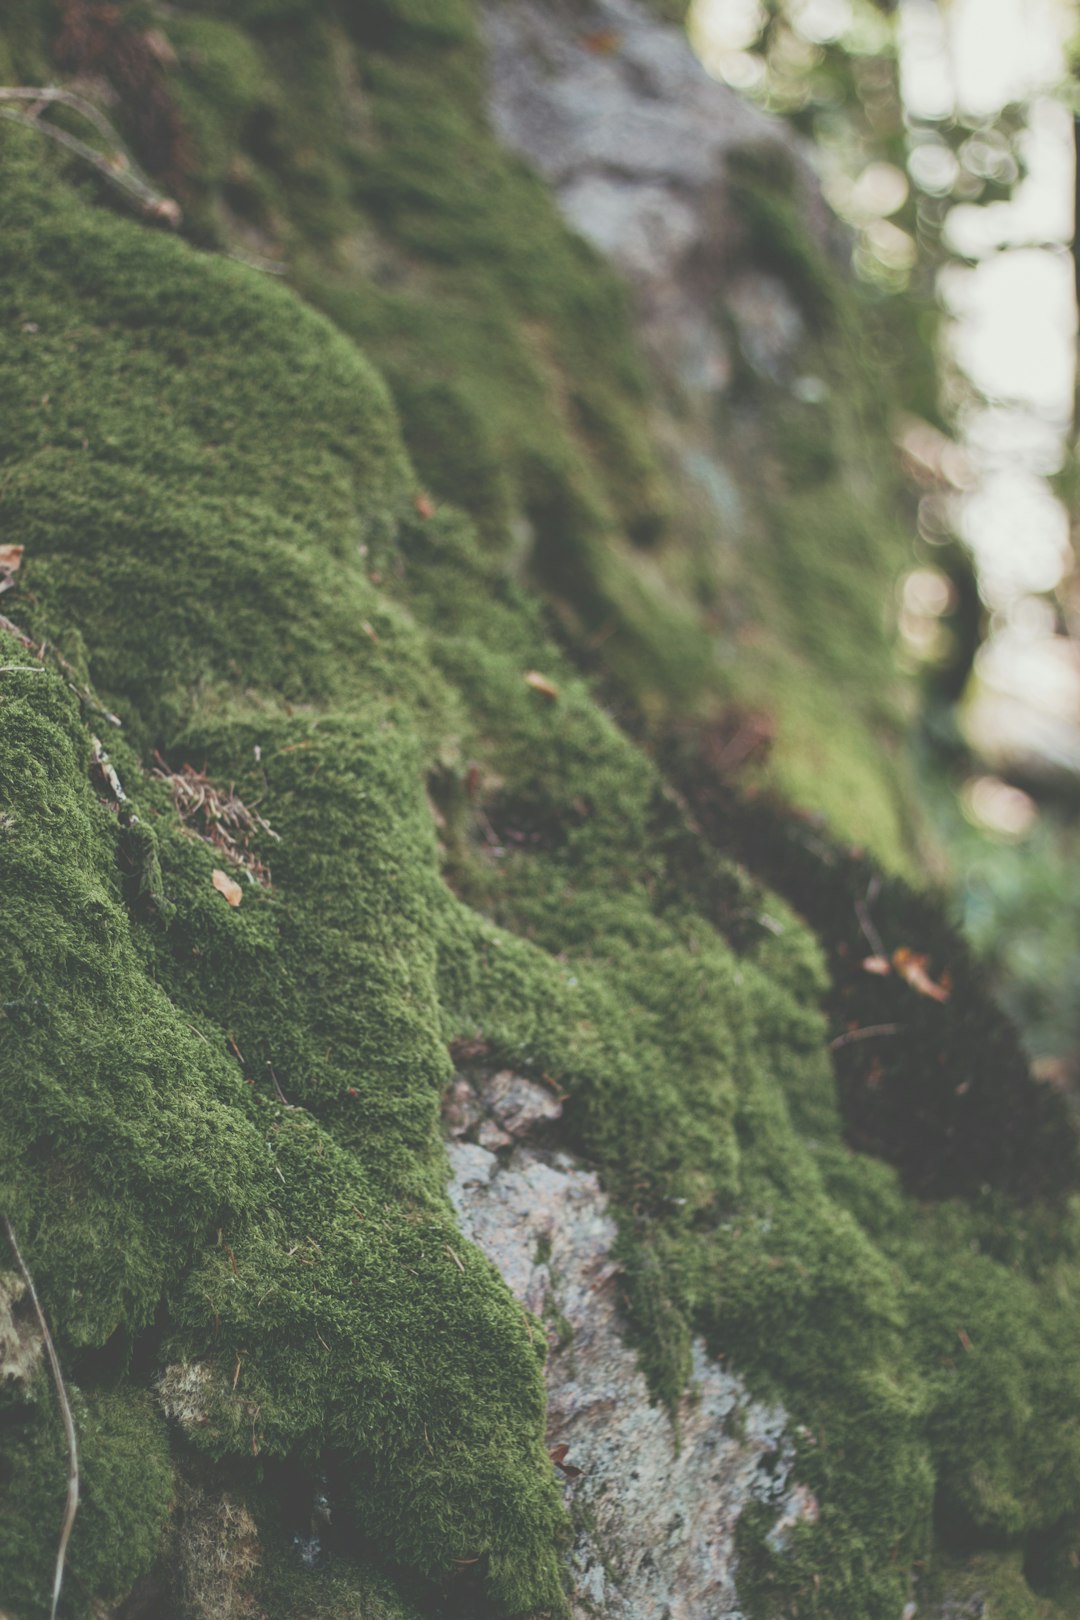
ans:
(351, 144)
(125, 1491)
(990, 1584)
(220, 1142)
(191, 1185)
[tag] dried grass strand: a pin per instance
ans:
(72, 1506)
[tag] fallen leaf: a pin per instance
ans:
(11, 557)
(912, 968)
(557, 1455)
(425, 505)
(540, 683)
(877, 964)
(612, 1269)
(227, 886)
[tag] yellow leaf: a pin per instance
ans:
(225, 885)
(912, 968)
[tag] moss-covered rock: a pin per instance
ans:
(219, 1120)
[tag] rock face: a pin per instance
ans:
(21, 1344)
(654, 1505)
(635, 139)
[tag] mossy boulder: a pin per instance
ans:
(223, 1055)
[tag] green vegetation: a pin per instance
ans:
(350, 145)
(219, 1124)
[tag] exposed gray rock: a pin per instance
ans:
(617, 113)
(21, 1343)
(654, 1519)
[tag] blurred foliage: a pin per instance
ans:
(831, 67)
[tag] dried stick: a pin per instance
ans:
(116, 167)
(866, 922)
(65, 1409)
(864, 1034)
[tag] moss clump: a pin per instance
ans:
(351, 145)
(220, 1142)
(264, 1235)
(125, 1489)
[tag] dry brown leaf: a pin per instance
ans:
(227, 886)
(877, 964)
(912, 968)
(558, 1455)
(11, 557)
(540, 683)
(425, 505)
(602, 41)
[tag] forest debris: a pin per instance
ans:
(866, 922)
(425, 505)
(39, 649)
(72, 1506)
(467, 1048)
(10, 560)
(114, 163)
(227, 886)
(540, 683)
(912, 968)
(557, 1455)
(220, 818)
(865, 1034)
(99, 760)
(877, 964)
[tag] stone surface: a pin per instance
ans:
(21, 1344)
(654, 1520)
(634, 137)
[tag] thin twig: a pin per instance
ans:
(865, 1034)
(65, 1409)
(280, 1094)
(258, 261)
(117, 167)
(25, 669)
(42, 95)
(866, 922)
